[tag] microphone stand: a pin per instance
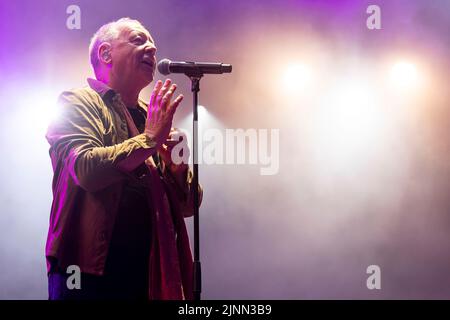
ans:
(195, 71)
(195, 76)
(195, 88)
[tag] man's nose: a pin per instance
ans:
(150, 48)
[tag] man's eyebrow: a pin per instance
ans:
(140, 33)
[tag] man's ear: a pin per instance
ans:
(104, 53)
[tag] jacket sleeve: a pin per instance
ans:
(77, 144)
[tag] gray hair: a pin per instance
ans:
(107, 33)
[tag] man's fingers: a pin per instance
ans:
(164, 147)
(174, 105)
(168, 96)
(163, 91)
(155, 92)
(180, 135)
(170, 143)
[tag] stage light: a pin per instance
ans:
(349, 125)
(296, 77)
(202, 112)
(404, 75)
(206, 120)
(37, 110)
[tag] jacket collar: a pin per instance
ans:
(101, 88)
(107, 93)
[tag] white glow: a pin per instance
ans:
(296, 77)
(36, 112)
(348, 126)
(404, 75)
(205, 120)
(202, 112)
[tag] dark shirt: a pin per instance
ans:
(138, 116)
(129, 251)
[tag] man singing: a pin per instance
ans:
(119, 201)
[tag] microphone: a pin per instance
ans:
(165, 67)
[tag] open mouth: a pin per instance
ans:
(148, 63)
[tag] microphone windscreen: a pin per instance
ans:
(163, 66)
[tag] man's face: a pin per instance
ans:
(133, 56)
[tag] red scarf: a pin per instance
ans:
(171, 264)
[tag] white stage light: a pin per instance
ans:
(296, 77)
(404, 75)
(37, 109)
(349, 125)
(206, 120)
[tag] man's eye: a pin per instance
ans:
(138, 40)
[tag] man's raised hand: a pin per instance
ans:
(161, 110)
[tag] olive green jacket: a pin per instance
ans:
(92, 155)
